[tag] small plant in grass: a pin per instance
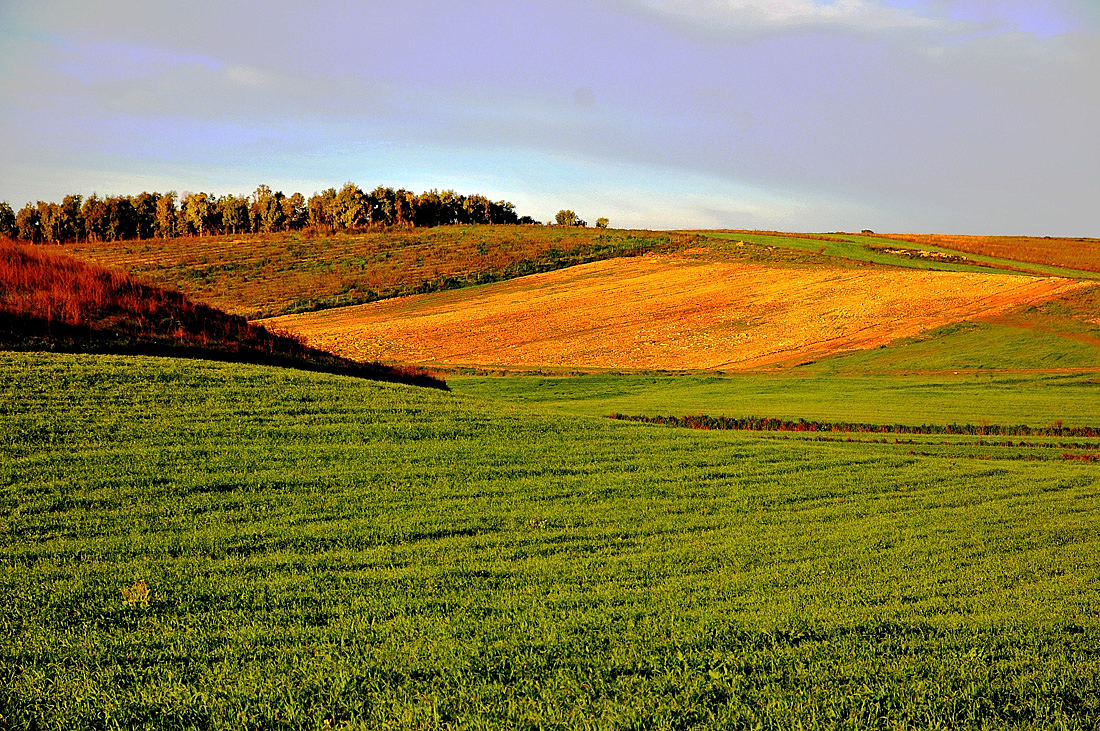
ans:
(136, 594)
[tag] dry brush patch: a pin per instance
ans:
(666, 312)
(50, 300)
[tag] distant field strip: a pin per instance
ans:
(1082, 254)
(666, 312)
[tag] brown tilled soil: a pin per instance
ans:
(665, 312)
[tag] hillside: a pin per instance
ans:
(50, 300)
(669, 312)
(260, 275)
(737, 326)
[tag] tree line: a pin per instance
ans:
(153, 215)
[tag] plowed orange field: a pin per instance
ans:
(665, 312)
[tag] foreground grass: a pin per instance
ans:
(1072, 399)
(195, 545)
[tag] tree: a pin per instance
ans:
(602, 222)
(117, 218)
(200, 214)
(351, 208)
(94, 213)
(260, 199)
(450, 208)
(429, 209)
(320, 209)
(503, 212)
(295, 214)
(28, 223)
(121, 219)
(49, 222)
(478, 209)
(166, 215)
(272, 217)
(145, 213)
(566, 218)
(404, 207)
(382, 204)
(7, 220)
(72, 220)
(234, 212)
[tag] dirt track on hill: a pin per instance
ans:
(666, 313)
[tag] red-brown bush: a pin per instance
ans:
(50, 299)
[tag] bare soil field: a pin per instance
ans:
(665, 312)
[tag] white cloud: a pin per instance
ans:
(932, 21)
(750, 17)
(249, 76)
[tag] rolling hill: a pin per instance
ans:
(49, 300)
(701, 300)
(668, 312)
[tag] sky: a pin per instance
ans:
(932, 116)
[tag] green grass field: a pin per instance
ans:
(186, 544)
(195, 545)
(1033, 399)
(965, 373)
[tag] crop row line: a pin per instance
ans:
(758, 423)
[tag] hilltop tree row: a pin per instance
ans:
(149, 215)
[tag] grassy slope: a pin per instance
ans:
(266, 275)
(324, 549)
(320, 550)
(1038, 371)
(50, 300)
(1032, 399)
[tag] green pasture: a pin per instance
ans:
(978, 347)
(964, 373)
(970, 398)
(186, 544)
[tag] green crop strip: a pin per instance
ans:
(197, 546)
(1038, 400)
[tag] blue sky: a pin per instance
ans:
(929, 116)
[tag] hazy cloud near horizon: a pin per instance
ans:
(969, 117)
